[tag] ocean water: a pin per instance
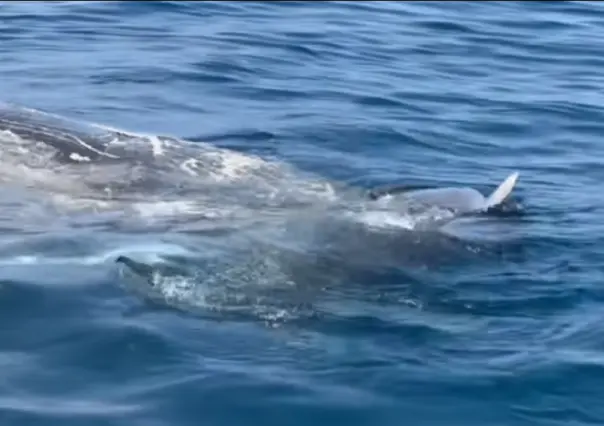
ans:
(311, 317)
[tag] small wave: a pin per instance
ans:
(66, 407)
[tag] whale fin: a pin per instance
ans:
(139, 268)
(148, 272)
(502, 191)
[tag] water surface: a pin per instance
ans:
(503, 328)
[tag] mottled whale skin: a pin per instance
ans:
(71, 144)
(96, 162)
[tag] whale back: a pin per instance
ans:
(71, 140)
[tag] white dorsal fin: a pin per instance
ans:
(502, 191)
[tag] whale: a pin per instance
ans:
(256, 229)
(90, 165)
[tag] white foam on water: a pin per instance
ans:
(235, 165)
(145, 252)
(175, 208)
(179, 289)
(149, 251)
(385, 219)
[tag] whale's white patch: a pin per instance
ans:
(189, 165)
(156, 146)
(77, 157)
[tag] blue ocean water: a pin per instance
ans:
(367, 94)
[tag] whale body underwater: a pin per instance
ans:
(167, 183)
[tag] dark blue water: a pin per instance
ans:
(366, 94)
